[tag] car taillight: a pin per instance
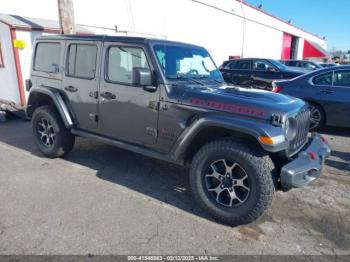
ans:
(277, 89)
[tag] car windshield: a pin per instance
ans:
(184, 62)
(277, 64)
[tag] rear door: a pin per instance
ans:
(47, 64)
(126, 112)
(80, 81)
(263, 73)
(336, 99)
(238, 72)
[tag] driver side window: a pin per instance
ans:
(342, 78)
(122, 61)
(262, 65)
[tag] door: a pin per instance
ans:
(80, 82)
(335, 98)
(263, 74)
(238, 72)
(286, 46)
(126, 112)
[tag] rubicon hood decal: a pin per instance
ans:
(238, 109)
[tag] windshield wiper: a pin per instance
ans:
(182, 76)
(207, 77)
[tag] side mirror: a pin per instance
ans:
(141, 77)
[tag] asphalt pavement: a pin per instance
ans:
(103, 200)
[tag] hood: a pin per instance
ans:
(249, 102)
(297, 71)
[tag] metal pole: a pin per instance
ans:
(243, 29)
(66, 16)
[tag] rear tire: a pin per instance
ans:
(51, 135)
(232, 182)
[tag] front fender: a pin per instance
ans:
(248, 126)
(56, 98)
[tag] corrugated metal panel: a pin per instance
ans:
(22, 22)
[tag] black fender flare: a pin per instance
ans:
(251, 127)
(57, 100)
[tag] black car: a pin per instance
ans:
(305, 64)
(256, 72)
(328, 64)
(327, 91)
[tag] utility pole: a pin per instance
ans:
(66, 16)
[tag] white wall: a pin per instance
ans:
(8, 77)
(215, 24)
(300, 48)
(46, 9)
(269, 21)
(25, 54)
(181, 20)
(262, 42)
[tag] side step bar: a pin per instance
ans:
(123, 145)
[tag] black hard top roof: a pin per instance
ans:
(126, 39)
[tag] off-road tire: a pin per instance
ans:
(64, 140)
(259, 169)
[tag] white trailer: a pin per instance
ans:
(17, 35)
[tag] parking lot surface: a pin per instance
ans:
(103, 200)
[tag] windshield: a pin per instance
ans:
(277, 64)
(183, 62)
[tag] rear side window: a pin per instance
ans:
(325, 79)
(47, 57)
(240, 65)
(308, 65)
(292, 63)
(122, 60)
(262, 65)
(342, 78)
(81, 61)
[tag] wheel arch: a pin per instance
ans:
(310, 101)
(48, 96)
(206, 130)
(212, 133)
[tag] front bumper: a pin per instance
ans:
(308, 165)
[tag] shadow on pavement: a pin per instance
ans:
(343, 165)
(160, 180)
(337, 131)
(157, 179)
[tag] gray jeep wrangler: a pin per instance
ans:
(168, 100)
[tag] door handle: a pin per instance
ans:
(327, 91)
(108, 95)
(71, 89)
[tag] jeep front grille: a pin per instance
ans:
(303, 125)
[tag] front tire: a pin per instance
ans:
(51, 136)
(232, 182)
(317, 117)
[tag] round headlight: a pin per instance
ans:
(290, 129)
